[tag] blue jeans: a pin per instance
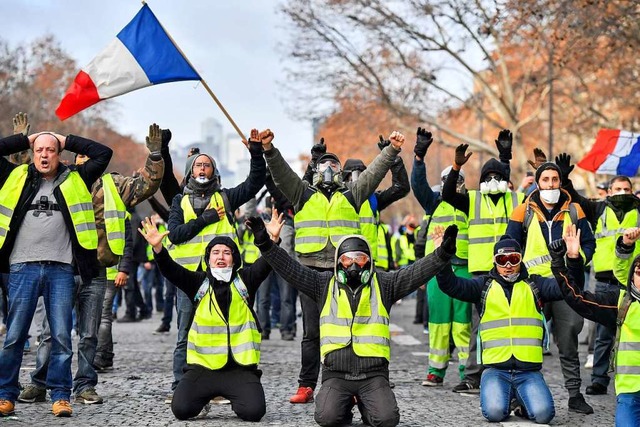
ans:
(27, 281)
(150, 279)
(498, 387)
(628, 409)
(89, 300)
(287, 305)
(186, 310)
(104, 351)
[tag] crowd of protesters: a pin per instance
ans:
(497, 273)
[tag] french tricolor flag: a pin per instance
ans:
(616, 152)
(141, 55)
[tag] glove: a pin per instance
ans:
(423, 140)
(255, 148)
(383, 142)
(154, 140)
(461, 156)
(449, 239)
(557, 248)
(504, 144)
(564, 163)
(539, 158)
(210, 216)
(318, 150)
(260, 233)
(166, 137)
(21, 124)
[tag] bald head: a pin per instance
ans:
(46, 154)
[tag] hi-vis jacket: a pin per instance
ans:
(84, 254)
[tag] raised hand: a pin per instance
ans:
(154, 140)
(563, 161)
(538, 158)
(318, 150)
(21, 124)
(397, 139)
(630, 235)
(437, 235)
(558, 249)
(266, 137)
(151, 234)
(275, 225)
(383, 142)
(572, 239)
(504, 144)
(461, 155)
(166, 137)
(257, 226)
(255, 144)
(423, 140)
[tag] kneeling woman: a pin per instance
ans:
(224, 341)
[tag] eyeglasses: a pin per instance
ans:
(202, 165)
(512, 259)
(492, 176)
(335, 166)
(348, 258)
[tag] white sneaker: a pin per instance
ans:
(219, 400)
(589, 363)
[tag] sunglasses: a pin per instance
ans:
(348, 258)
(512, 259)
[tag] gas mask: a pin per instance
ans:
(550, 196)
(354, 268)
(493, 186)
(328, 174)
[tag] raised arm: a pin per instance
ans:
(243, 192)
(99, 157)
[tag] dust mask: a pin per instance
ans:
(223, 274)
(550, 196)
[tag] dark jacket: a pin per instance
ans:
(85, 261)
(344, 363)
(471, 290)
(126, 262)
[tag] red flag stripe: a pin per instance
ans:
(81, 94)
(606, 141)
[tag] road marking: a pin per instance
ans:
(398, 337)
(420, 353)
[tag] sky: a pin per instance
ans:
(232, 44)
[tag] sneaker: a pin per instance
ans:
(127, 319)
(467, 387)
(579, 405)
(6, 408)
(265, 335)
(589, 363)
(287, 336)
(101, 365)
(88, 396)
(168, 400)
(303, 395)
(162, 329)
(32, 393)
(433, 380)
(61, 408)
(219, 400)
(596, 389)
(426, 331)
(203, 413)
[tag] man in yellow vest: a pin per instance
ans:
(325, 212)
(47, 232)
(512, 331)
(608, 217)
(354, 300)
(202, 211)
(542, 218)
(111, 195)
(488, 210)
(223, 350)
(617, 309)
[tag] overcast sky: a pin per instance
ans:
(232, 44)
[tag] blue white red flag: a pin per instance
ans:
(616, 152)
(141, 55)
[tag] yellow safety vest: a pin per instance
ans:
(9, 196)
(511, 329)
(608, 228)
(382, 259)
(367, 331)
(112, 272)
(321, 221)
(211, 336)
(250, 251)
(446, 215)
(536, 253)
(190, 254)
(115, 213)
(369, 227)
(487, 223)
(407, 253)
(628, 351)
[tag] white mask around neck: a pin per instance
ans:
(223, 274)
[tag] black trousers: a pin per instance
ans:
(375, 399)
(310, 345)
(133, 296)
(199, 385)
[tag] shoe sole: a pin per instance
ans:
(63, 414)
(301, 403)
(161, 333)
(7, 414)
(430, 384)
(88, 402)
(34, 400)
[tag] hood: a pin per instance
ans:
(495, 166)
(635, 262)
(188, 169)
(224, 240)
(338, 251)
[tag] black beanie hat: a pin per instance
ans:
(505, 245)
(353, 243)
(354, 165)
(495, 166)
(227, 241)
(546, 166)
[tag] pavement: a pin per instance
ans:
(135, 390)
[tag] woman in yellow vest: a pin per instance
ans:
(511, 331)
(354, 301)
(223, 349)
(614, 308)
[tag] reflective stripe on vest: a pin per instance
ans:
(628, 352)
(536, 252)
(250, 251)
(608, 228)
(513, 328)
(382, 260)
(406, 249)
(446, 215)
(191, 253)
(9, 196)
(487, 223)
(321, 221)
(369, 227)
(211, 336)
(115, 213)
(80, 205)
(367, 331)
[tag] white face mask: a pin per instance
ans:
(494, 187)
(550, 196)
(620, 193)
(223, 274)
(202, 179)
(511, 277)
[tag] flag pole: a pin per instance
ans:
(204, 84)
